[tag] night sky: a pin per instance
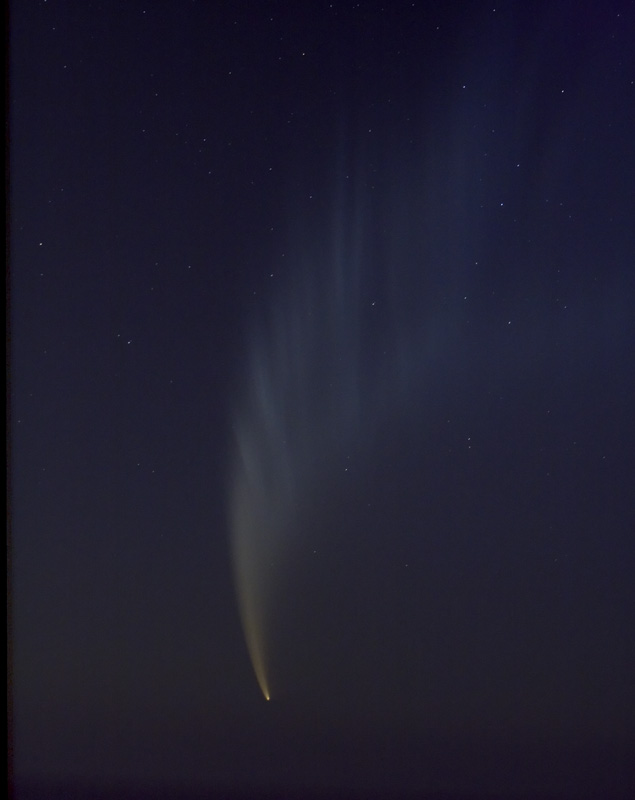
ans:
(321, 338)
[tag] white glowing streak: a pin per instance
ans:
(248, 580)
(261, 505)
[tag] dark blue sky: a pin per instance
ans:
(369, 268)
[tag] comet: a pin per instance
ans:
(336, 355)
(287, 426)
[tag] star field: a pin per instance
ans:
(320, 340)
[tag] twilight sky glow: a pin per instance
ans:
(321, 378)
